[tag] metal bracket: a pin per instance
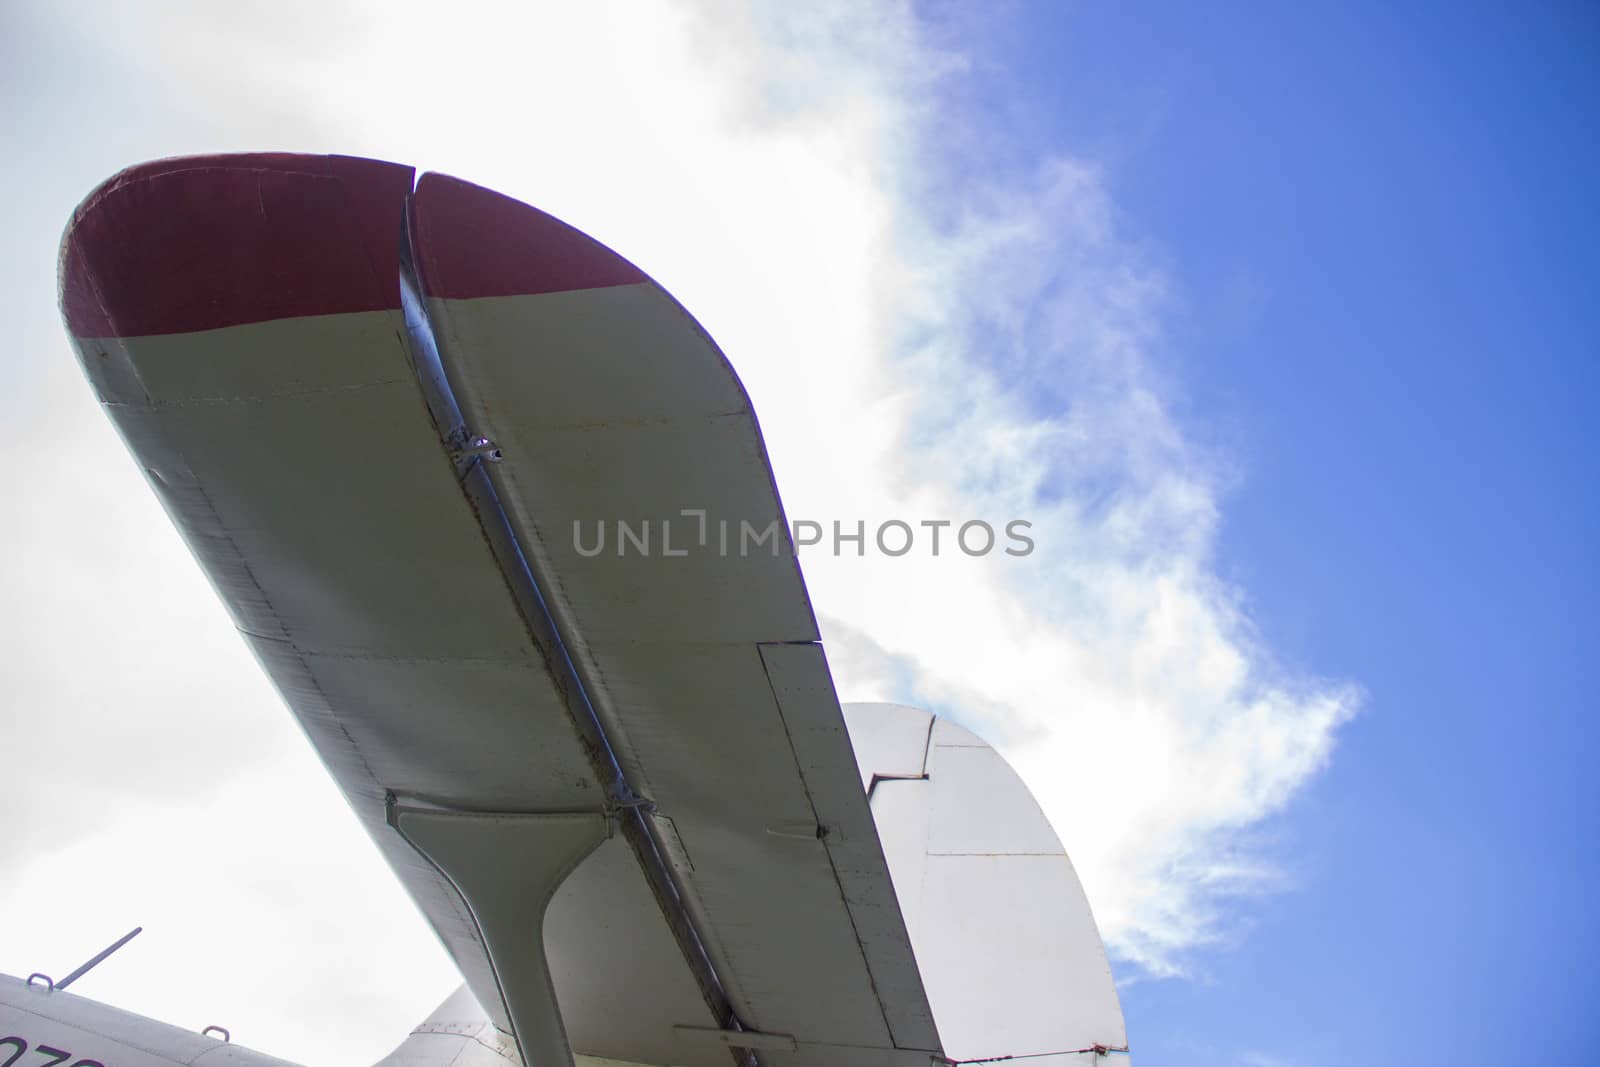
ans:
(620, 797)
(754, 1040)
(480, 448)
(507, 866)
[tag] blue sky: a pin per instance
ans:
(1273, 318)
(1383, 224)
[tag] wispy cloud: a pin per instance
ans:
(992, 358)
(921, 341)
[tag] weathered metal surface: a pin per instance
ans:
(299, 459)
(349, 521)
(608, 403)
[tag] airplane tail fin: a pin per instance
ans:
(458, 1032)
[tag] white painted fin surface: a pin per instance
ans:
(1007, 946)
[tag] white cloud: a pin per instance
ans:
(984, 356)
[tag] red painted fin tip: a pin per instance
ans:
(202, 242)
(474, 242)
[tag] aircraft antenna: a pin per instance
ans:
(99, 957)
